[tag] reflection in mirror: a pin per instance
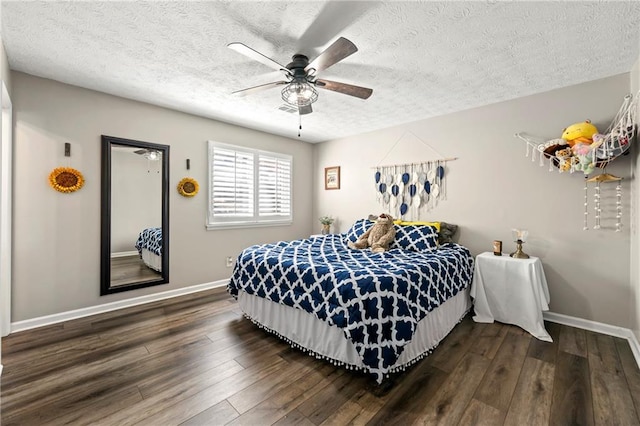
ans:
(135, 214)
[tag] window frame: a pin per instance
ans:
(255, 220)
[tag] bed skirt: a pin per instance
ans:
(152, 260)
(303, 330)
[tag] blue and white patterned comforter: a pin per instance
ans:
(377, 299)
(150, 239)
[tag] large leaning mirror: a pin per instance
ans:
(135, 215)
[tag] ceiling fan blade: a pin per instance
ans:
(141, 151)
(347, 89)
(340, 49)
(302, 110)
(254, 89)
(334, 17)
(256, 56)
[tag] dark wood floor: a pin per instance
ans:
(129, 270)
(194, 360)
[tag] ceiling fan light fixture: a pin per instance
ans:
(299, 93)
(152, 155)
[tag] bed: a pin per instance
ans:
(149, 246)
(376, 312)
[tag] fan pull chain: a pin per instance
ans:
(299, 124)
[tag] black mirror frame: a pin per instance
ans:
(105, 216)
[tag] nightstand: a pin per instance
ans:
(513, 291)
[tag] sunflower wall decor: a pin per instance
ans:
(188, 187)
(66, 179)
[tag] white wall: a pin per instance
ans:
(5, 73)
(5, 290)
(635, 214)
(492, 188)
(57, 236)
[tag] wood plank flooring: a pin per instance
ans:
(129, 270)
(195, 360)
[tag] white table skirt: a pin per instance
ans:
(513, 291)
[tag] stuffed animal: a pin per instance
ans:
(564, 153)
(579, 133)
(564, 158)
(378, 237)
(585, 158)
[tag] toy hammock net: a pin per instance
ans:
(597, 151)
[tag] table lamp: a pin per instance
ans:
(520, 236)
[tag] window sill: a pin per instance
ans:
(240, 225)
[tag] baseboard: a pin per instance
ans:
(112, 306)
(635, 347)
(597, 327)
(124, 254)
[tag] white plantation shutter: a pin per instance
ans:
(274, 186)
(232, 186)
(248, 187)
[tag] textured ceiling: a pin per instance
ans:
(421, 59)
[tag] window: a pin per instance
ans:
(248, 187)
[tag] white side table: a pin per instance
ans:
(513, 291)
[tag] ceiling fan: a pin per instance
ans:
(149, 154)
(301, 75)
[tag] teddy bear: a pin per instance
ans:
(378, 237)
(564, 156)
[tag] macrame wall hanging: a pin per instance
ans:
(409, 189)
(583, 149)
(600, 194)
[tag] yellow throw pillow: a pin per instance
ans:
(406, 223)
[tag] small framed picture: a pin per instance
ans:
(497, 248)
(332, 177)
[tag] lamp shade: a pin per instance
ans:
(520, 234)
(299, 93)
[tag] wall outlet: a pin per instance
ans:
(229, 262)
